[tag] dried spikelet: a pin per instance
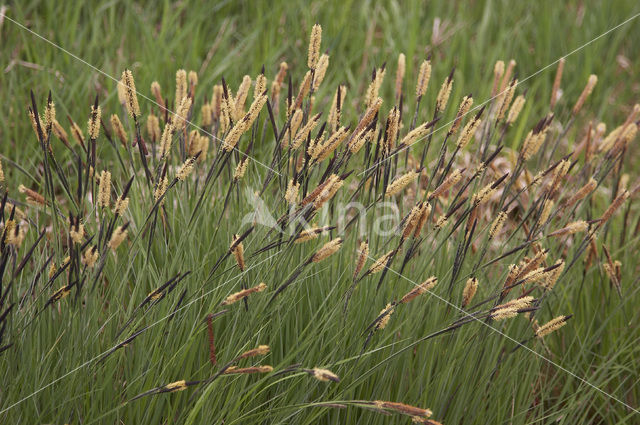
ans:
(363, 254)
(556, 84)
(291, 195)
(104, 189)
(90, 256)
(469, 291)
(181, 86)
(613, 207)
(153, 128)
(118, 129)
(400, 71)
(60, 294)
(305, 86)
(552, 276)
(551, 326)
(182, 114)
(423, 78)
(324, 375)
(233, 298)
(302, 135)
(309, 234)
(32, 197)
(441, 222)
(465, 106)
(386, 313)
(534, 275)
(234, 370)
(193, 78)
(327, 250)
(505, 99)
(593, 79)
(119, 235)
(52, 270)
(336, 107)
(504, 313)
(582, 192)
(497, 224)
(559, 174)
(416, 134)
(623, 134)
(261, 350)
(322, 151)
(93, 125)
(381, 262)
(369, 114)
(405, 409)
(498, 72)
(571, 228)
(294, 125)
(314, 46)
(425, 286)
(412, 221)
(161, 188)
(185, 169)
(444, 93)
(515, 110)
(120, 206)
(206, 115)
(130, 94)
(401, 182)
(59, 132)
(535, 138)
(546, 211)
(49, 115)
(321, 70)
(612, 269)
(76, 133)
(241, 168)
(237, 249)
(241, 97)
(157, 93)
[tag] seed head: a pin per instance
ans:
(235, 297)
(130, 94)
(314, 46)
(90, 256)
(119, 235)
(324, 375)
(551, 326)
(363, 254)
(469, 291)
(327, 250)
(423, 78)
(591, 83)
(93, 125)
(381, 262)
(425, 286)
(104, 189)
(386, 316)
(185, 169)
(181, 86)
(400, 183)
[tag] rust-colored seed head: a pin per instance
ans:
(237, 296)
(469, 291)
(363, 254)
(425, 286)
(381, 262)
(591, 83)
(238, 252)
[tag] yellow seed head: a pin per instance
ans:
(161, 188)
(90, 256)
(515, 110)
(591, 83)
(119, 235)
(465, 106)
(185, 170)
(425, 286)
(327, 250)
(400, 71)
(181, 86)
(182, 114)
(324, 375)
(400, 183)
(423, 78)
(235, 297)
(363, 254)
(497, 224)
(130, 94)
(443, 95)
(321, 70)
(166, 140)
(241, 168)
(381, 263)
(118, 129)
(551, 326)
(153, 128)
(104, 189)
(93, 125)
(291, 195)
(467, 132)
(505, 99)
(314, 46)
(469, 291)
(384, 321)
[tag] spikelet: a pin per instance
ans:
(175, 386)
(261, 350)
(130, 94)
(76, 133)
(241, 169)
(314, 46)
(93, 125)
(467, 132)
(254, 109)
(185, 169)
(241, 98)
(193, 79)
(551, 326)
(356, 143)
(229, 143)
(483, 195)
(552, 276)
(328, 192)
(504, 313)
(498, 72)
(386, 313)
(505, 99)
(363, 254)
(423, 78)
(118, 129)
(374, 87)
(556, 84)
(515, 110)
(609, 212)
(1, 173)
(469, 291)
(15, 234)
(119, 235)
(327, 250)
(291, 195)
(425, 286)
(166, 140)
(441, 222)
(305, 86)
(321, 70)
(571, 228)
(233, 298)
(369, 114)
(582, 192)
(381, 262)
(234, 370)
(424, 215)
(322, 151)
(324, 375)
(400, 183)
(400, 71)
(104, 189)
(444, 93)
(405, 409)
(182, 114)
(59, 132)
(393, 125)
(32, 197)
(181, 86)
(153, 128)
(237, 249)
(260, 86)
(416, 134)
(157, 93)
(593, 79)
(532, 142)
(497, 224)
(412, 221)
(50, 115)
(546, 211)
(559, 174)
(206, 115)
(121, 206)
(336, 107)
(161, 188)
(90, 256)
(76, 231)
(302, 135)
(463, 109)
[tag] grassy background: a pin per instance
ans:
(230, 39)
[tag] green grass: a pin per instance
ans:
(50, 375)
